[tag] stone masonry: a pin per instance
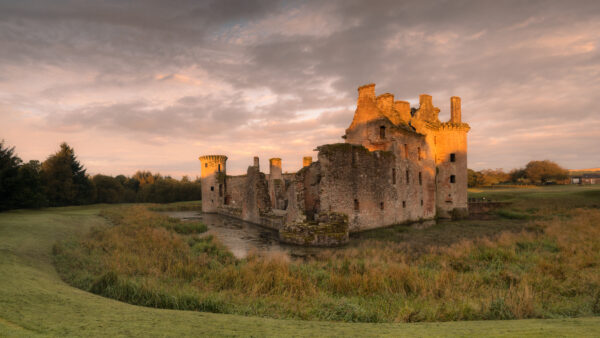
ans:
(398, 165)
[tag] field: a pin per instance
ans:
(34, 299)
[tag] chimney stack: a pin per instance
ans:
(455, 109)
(256, 163)
(275, 169)
(306, 161)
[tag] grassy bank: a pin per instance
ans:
(34, 301)
(545, 265)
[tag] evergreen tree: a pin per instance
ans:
(65, 180)
(9, 176)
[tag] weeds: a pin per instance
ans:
(549, 268)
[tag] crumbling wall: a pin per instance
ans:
(256, 201)
(235, 190)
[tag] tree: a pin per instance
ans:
(30, 193)
(474, 178)
(545, 171)
(65, 180)
(9, 176)
(108, 189)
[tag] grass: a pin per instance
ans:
(528, 263)
(34, 301)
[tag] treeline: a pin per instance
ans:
(61, 180)
(535, 172)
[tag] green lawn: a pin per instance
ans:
(35, 301)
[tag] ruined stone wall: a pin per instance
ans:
(235, 190)
(256, 201)
(360, 184)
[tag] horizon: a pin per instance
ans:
(140, 86)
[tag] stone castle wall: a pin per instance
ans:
(397, 165)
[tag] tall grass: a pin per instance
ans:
(552, 269)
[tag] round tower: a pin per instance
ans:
(212, 177)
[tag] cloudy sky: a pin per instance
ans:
(155, 84)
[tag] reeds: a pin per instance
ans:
(552, 269)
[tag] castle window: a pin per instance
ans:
(453, 157)
(381, 205)
(219, 168)
(205, 165)
(382, 132)
(421, 202)
(404, 204)
(220, 190)
(212, 188)
(419, 153)
(452, 179)
(420, 178)
(405, 150)
(407, 177)
(393, 175)
(356, 207)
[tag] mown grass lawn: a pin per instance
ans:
(35, 301)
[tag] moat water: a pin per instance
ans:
(243, 237)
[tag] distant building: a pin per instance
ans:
(587, 178)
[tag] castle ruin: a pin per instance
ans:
(397, 165)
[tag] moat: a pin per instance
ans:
(242, 237)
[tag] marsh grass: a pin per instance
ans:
(543, 267)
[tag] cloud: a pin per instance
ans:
(276, 79)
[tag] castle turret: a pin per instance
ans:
(212, 177)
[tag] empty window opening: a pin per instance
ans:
(404, 204)
(212, 188)
(419, 152)
(219, 168)
(420, 178)
(452, 179)
(407, 177)
(381, 205)
(393, 175)
(382, 132)
(356, 206)
(421, 202)
(453, 157)
(406, 151)
(220, 190)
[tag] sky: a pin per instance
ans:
(153, 85)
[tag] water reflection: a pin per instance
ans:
(242, 237)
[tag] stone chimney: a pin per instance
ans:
(256, 163)
(366, 92)
(426, 102)
(275, 169)
(455, 109)
(403, 108)
(306, 161)
(385, 102)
